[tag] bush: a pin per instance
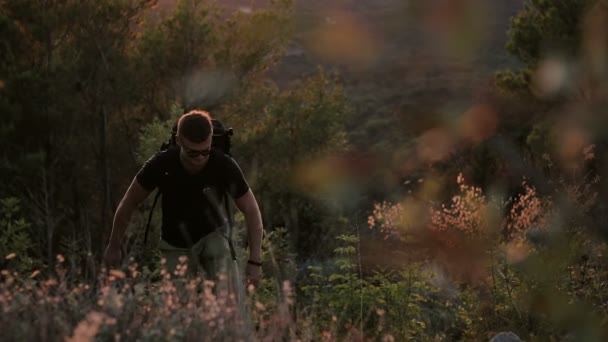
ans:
(15, 241)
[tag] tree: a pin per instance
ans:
(278, 131)
(543, 29)
(562, 85)
(66, 70)
(15, 241)
(201, 56)
(80, 79)
(548, 38)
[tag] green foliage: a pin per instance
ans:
(544, 28)
(283, 128)
(274, 293)
(80, 80)
(540, 140)
(547, 295)
(278, 256)
(517, 82)
(66, 76)
(155, 133)
(172, 48)
(277, 133)
(203, 57)
(551, 40)
(250, 43)
(404, 304)
(15, 242)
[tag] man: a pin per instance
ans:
(193, 180)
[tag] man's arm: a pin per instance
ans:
(253, 220)
(134, 196)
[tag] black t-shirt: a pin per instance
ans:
(192, 205)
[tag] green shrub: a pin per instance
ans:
(15, 241)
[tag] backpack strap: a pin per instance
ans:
(150, 217)
(229, 237)
(228, 214)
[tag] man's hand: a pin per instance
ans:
(132, 198)
(253, 220)
(254, 274)
(112, 255)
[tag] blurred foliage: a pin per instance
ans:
(543, 29)
(15, 241)
(277, 133)
(155, 133)
(89, 90)
(404, 303)
(530, 264)
(80, 80)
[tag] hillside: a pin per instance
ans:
(402, 65)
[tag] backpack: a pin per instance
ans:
(221, 141)
(221, 137)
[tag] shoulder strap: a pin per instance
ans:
(150, 217)
(230, 226)
(228, 214)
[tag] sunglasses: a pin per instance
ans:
(195, 153)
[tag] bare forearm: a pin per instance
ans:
(254, 234)
(121, 222)
(253, 220)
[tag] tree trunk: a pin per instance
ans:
(48, 219)
(91, 271)
(105, 169)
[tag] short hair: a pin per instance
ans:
(195, 126)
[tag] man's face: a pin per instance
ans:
(195, 154)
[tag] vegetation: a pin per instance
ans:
(488, 220)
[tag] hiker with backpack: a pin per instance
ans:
(194, 177)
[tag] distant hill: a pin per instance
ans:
(402, 64)
(425, 59)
